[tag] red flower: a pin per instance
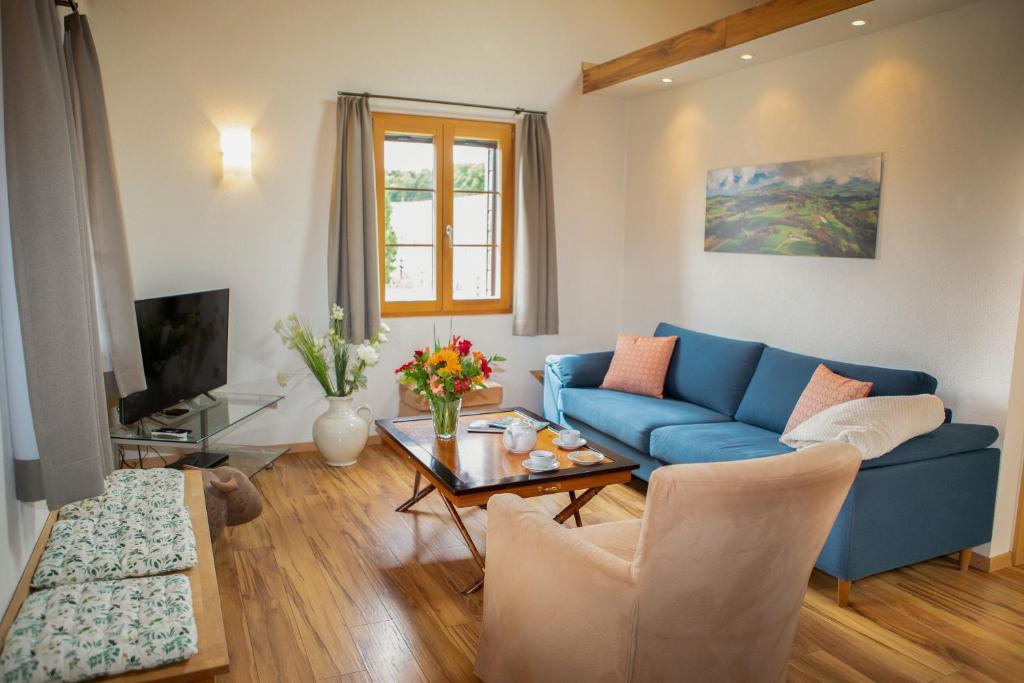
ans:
(464, 346)
(405, 367)
(463, 385)
(485, 368)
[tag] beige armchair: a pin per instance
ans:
(707, 587)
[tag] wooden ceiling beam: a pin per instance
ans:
(741, 27)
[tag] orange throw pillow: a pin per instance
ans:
(826, 389)
(639, 365)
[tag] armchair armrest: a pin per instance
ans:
(580, 369)
(546, 583)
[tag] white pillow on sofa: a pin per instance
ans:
(874, 425)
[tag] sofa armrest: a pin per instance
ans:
(580, 369)
(948, 439)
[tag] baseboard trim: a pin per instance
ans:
(310, 447)
(991, 564)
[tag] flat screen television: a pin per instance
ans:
(184, 341)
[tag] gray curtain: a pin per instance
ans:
(106, 222)
(52, 262)
(352, 266)
(535, 296)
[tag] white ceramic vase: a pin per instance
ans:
(340, 433)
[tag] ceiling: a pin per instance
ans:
(880, 15)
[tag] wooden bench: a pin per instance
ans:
(212, 658)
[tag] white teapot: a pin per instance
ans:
(520, 436)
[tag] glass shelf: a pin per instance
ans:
(208, 416)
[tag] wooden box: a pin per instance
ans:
(410, 404)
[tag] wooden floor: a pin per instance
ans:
(331, 584)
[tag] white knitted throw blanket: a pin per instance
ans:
(874, 425)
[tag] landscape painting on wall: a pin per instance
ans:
(823, 207)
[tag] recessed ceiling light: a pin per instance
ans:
(859, 22)
(746, 56)
(666, 80)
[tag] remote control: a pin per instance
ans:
(170, 433)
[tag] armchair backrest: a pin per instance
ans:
(723, 560)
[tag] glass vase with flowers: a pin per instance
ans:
(443, 374)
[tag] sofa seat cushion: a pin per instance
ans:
(631, 418)
(721, 442)
(781, 377)
(707, 370)
(948, 439)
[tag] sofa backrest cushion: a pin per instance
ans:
(707, 370)
(781, 377)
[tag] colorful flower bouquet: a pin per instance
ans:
(443, 375)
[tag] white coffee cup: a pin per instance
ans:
(569, 437)
(541, 458)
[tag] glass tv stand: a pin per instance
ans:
(209, 417)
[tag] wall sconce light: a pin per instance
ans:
(236, 151)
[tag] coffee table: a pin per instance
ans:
(473, 466)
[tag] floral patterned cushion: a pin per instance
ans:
(117, 546)
(132, 490)
(95, 629)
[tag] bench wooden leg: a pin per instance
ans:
(843, 593)
(965, 559)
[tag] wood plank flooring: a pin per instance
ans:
(330, 584)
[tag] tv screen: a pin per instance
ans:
(184, 341)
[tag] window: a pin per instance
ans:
(444, 214)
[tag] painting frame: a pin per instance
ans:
(826, 207)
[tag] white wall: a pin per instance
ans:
(175, 72)
(942, 100)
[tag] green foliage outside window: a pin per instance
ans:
(468, 177)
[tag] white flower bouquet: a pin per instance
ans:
(339, 365)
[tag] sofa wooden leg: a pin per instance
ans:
(965, 559)
(843, 593)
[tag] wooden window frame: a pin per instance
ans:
(445, 131)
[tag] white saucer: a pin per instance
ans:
(575, 458)
(552, 467)
(579, 444)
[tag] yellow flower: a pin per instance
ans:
(449, 359)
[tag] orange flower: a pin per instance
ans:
(446, 361)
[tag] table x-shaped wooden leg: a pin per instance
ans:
(570, 510)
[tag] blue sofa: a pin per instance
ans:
(727, 399)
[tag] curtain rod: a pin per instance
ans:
(517, 110)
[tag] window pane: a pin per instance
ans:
(477, 218)
(409, 273)
(409, 217)
(476, 273)
(409, 161)
(476, 165)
